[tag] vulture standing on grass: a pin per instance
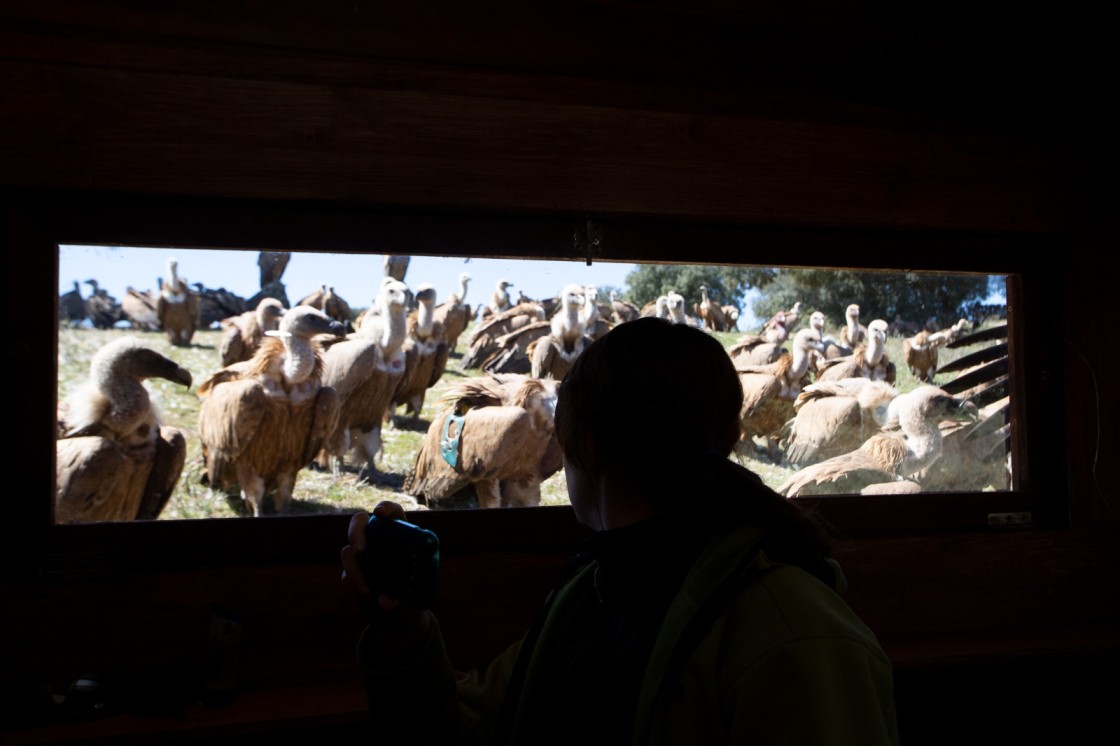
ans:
(264, 419)
(114, 460)
(242, 334)
(503, 445)
(853, 333)
(102, 309)
(835, 417)
(710, 313)
(364, 369)
(455, 313)
(177, 307)
(72, 306)
(141, 310)
(425, 355)
(770, 390)
(885, 460)
(553, 354)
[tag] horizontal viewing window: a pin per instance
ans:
(187, 379)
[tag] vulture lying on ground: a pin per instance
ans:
(243, 334)
(495, 433)
(484, 340)
(835, 417)
(114, 461)
(264, 419)
(769, 392)
(177, 307)
(885, 460)
(364, 369)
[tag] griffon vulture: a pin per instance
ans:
(853, 333)
(835, 417)
(887, 459)
(425, 355)
(754, 349)
(114, 460)
(217, 305)
(711, 313)
(484, 340)
(140, 310)
(595, 323)
(869, 360)
(72, 306)
(503, 444)
(499, 299)
(622, 310)
(364, 369)
(243, 333)
(102, 309)
(658, 308)
(264, 419)
(330, 303)
(674, 303)
(553, 354)
(455, 313)
(770, 390)
(177, 307)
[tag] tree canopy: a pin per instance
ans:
(726, 285)
(910, 296)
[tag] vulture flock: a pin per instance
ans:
(313, 386)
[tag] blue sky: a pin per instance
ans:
(354, 277)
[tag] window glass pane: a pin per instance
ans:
(752, 310)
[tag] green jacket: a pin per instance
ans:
(750, 652)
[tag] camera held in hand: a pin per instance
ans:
(402, 561)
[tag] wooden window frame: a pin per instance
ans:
(39, 223)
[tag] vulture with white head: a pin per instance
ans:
(835, 417)
(494, 433)
(770, 390)
(499, 299)
(177, 307)
(674, 304)
(552, 355)
(364, 370)
(242, 334)
(710, 313)
(425, 355)
(869, 360)
(594, 315)
(658, 308)
(854, 333)
(263, 420)
(886, 461)
(455, 313)
(114, 460)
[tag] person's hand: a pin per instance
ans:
(398, 627)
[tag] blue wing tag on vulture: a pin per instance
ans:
(449, 440)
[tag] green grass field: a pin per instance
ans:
(316, 491)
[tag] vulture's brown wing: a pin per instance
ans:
(324, 433)
(167, 467)
(91, 472)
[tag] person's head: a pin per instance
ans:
(654, 407)
(644, 404)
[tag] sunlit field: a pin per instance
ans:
(320, 491)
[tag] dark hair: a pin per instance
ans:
(662, 401)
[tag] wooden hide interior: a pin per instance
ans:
(842, 125)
